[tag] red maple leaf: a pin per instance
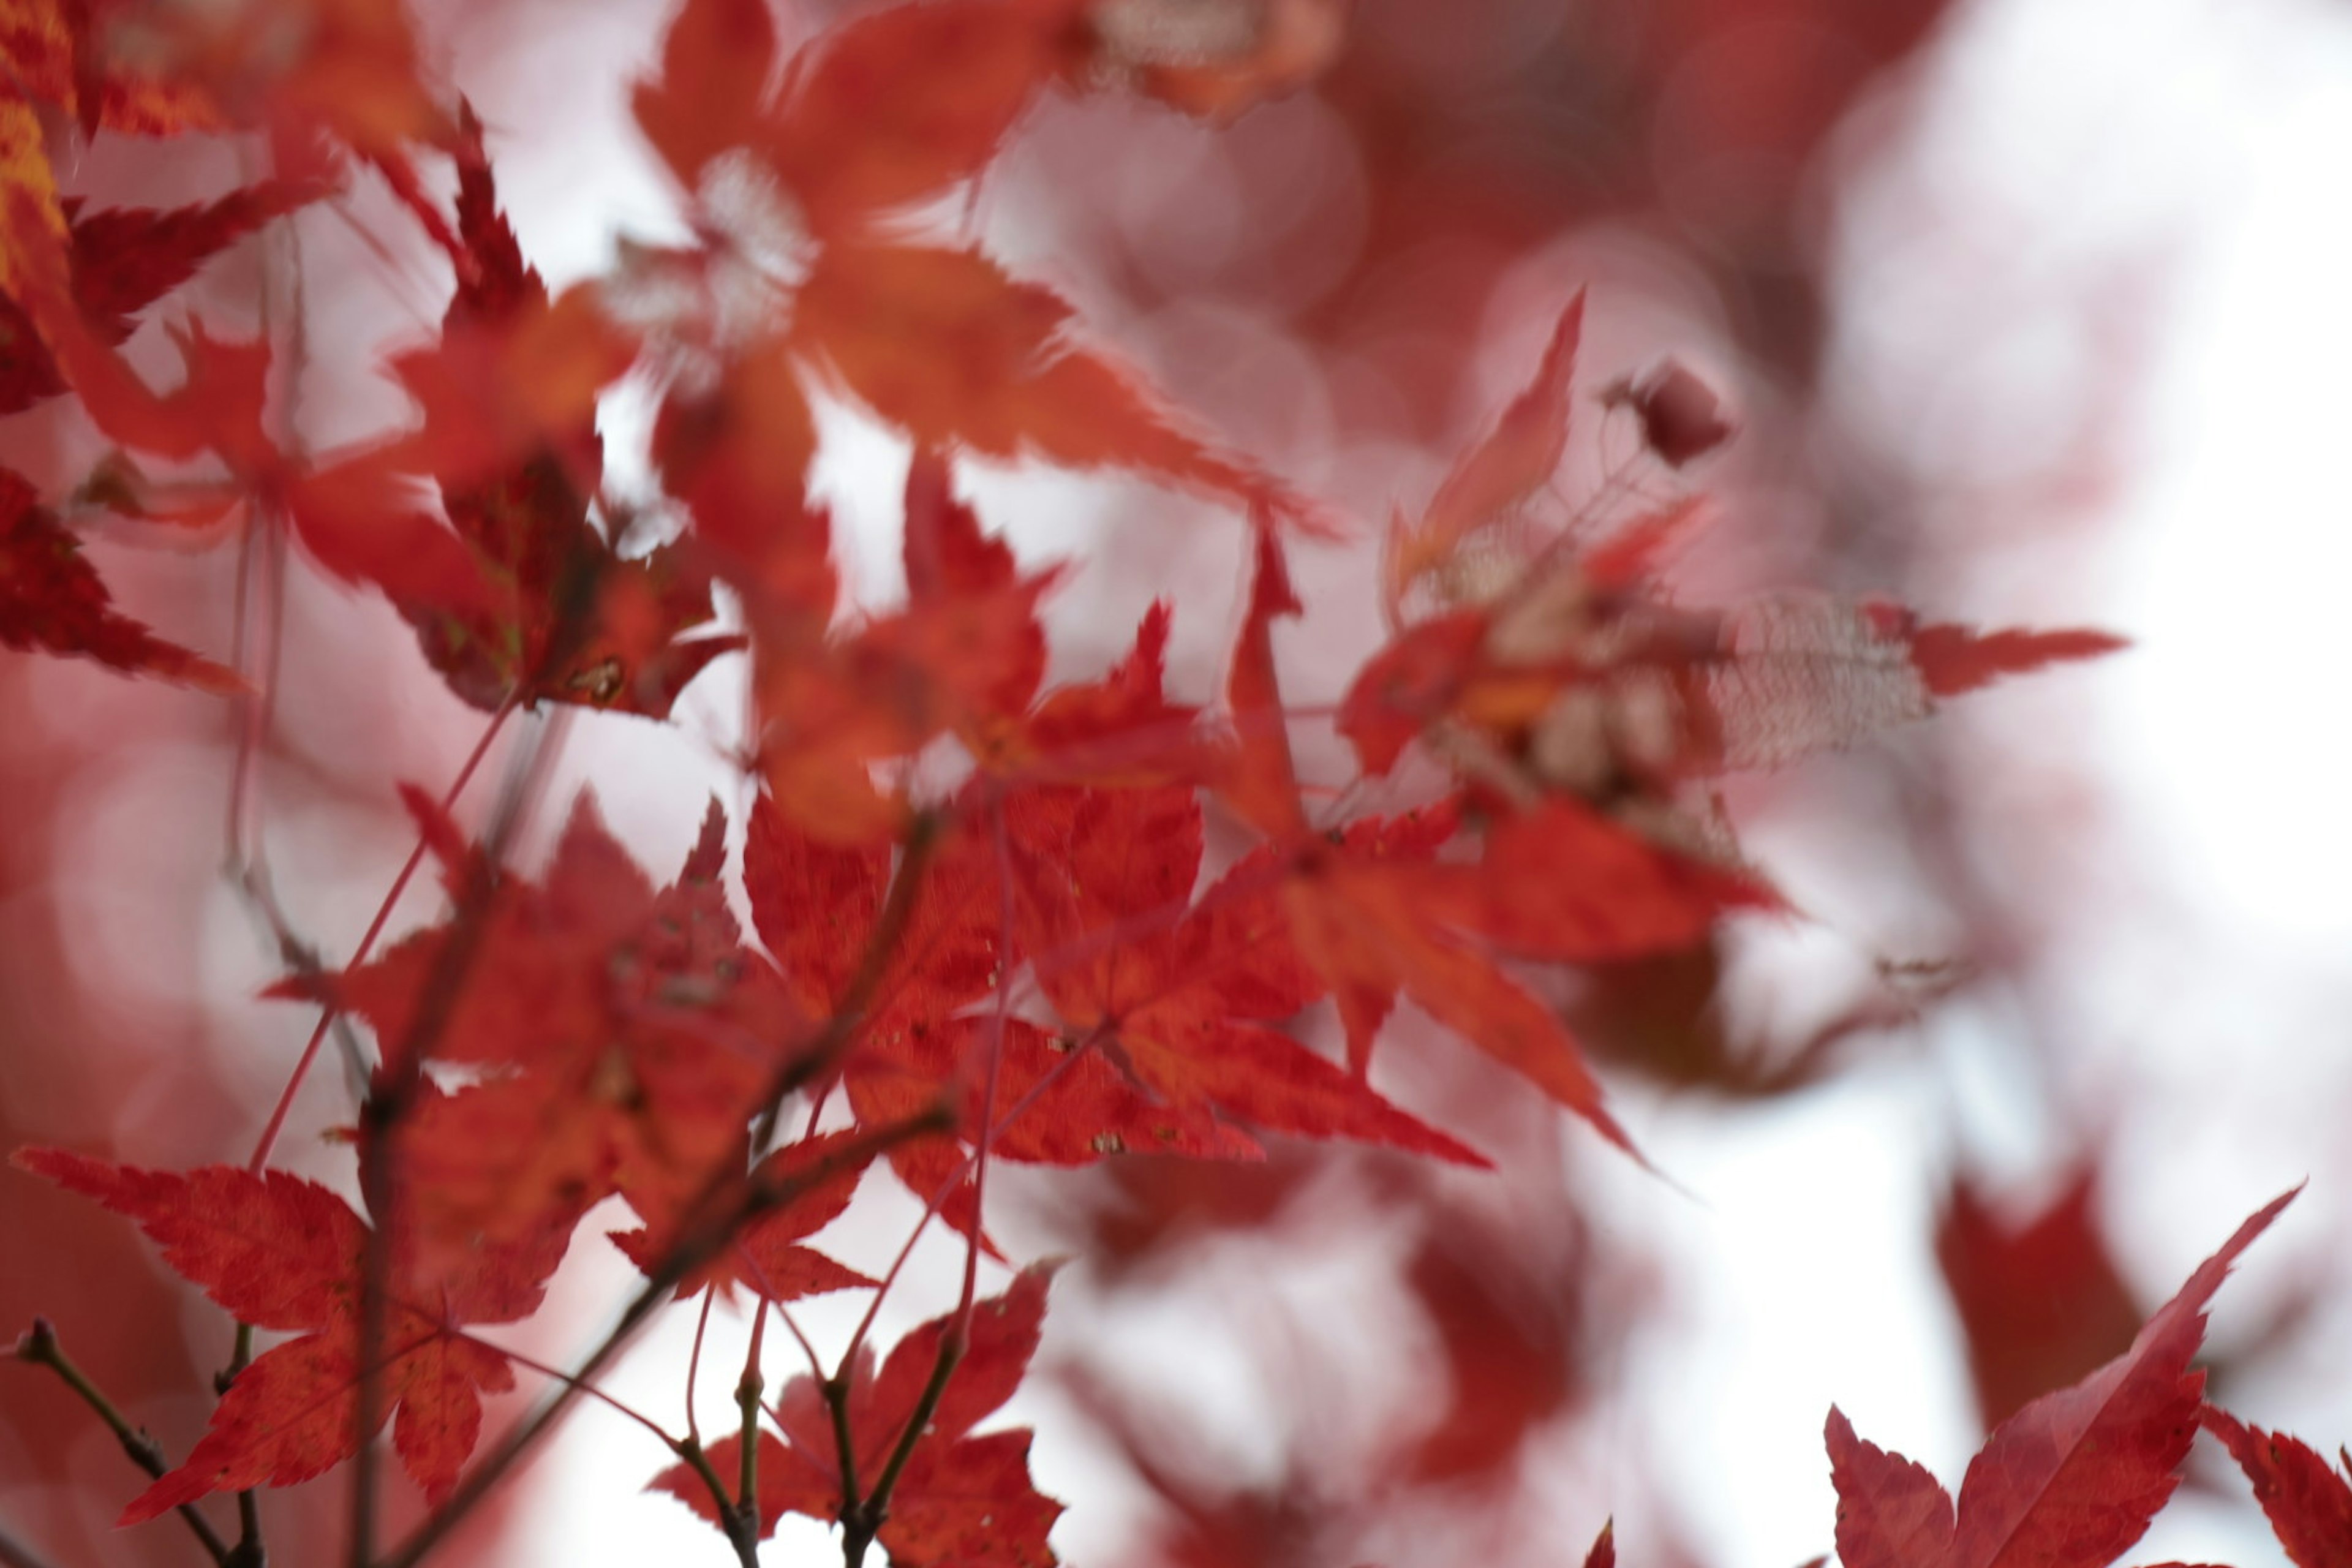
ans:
(2069, 1481)
(893, 108)
(1373, 915)
(351, 514)
(766, 1255)
(817, 906)
(52, 599)
(961, 1499)
(1549, 661)
(2307, 1501)
(124, 259)
(1183, 1003)
(518, 461)
(619, 1036)
(285, 1255)
(54, 50)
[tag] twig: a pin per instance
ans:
(17, 1554)
(743, 1519)
(862, 1519)
(40, 1348)
(330, 1011)
(693, 1247)
(395, 1086)
(248, 1551)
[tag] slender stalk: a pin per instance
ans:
(395, 1086)
(248, 1551)
(694, 1366)
(694, 1247)
(743, 1528)
(40, 1348)
(861, 1522)
(328, 1012)
(862, 1519)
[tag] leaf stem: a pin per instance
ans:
(743, 1522)
(40, 1347)
(329, 1010)
(694, 1365)
(396, 1077)
(695, 1246)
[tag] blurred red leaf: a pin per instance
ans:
(2069, 1481)
(948, 348)
(52, 599)
(2040, 1300)
(124, 259)
(1499, 473)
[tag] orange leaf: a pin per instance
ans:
(946, 346)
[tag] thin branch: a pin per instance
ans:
(557, 1375)
(395, 1086)
(694, 1366)
(743, 1521)
(248, 1551)
(694, 1247)
(862, 1519)
(15, 1553)
(330, 1011)
(40, 1348)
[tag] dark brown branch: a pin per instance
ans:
(39, 1347)
(15, 1553)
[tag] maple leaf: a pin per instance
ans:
(124, 259)
(766, 1255)
(961, 1499)
(1498, 474)
(817, 904)
(946, 346)
(296, 68)
(54, 51)
(350, 514)
(2040, 1301)
(619, 1036)
(51, 598)
(1359, 910)
(2307, 1500)
(2070, 1480)
(1182, 1001)
(1557, 666)
(287, 1255)
(571, 620)
(898, 105)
